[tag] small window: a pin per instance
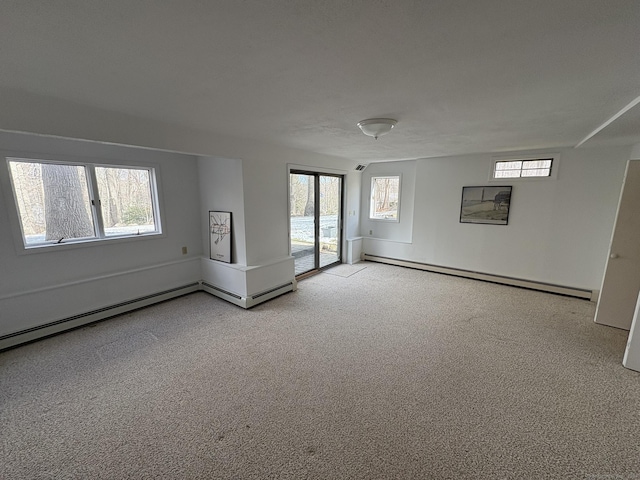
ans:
(540, 167)
(69, 203)
(385, 198)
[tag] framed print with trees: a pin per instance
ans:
(488, 205)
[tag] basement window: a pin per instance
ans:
(385, 198)
(64, 202)
(523, 168)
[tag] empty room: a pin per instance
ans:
(324, 240)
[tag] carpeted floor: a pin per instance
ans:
(346, 270)
(390, 373)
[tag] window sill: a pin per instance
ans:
(94, 242)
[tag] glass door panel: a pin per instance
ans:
(303, 222)
(330, 203)
(315, 220)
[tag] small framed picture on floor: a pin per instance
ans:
(220, 236)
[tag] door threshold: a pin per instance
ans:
(308, 274)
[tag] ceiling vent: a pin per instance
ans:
(361, 167)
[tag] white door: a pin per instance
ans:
(621, 282)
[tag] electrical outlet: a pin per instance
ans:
(184, 250)
(370, 232)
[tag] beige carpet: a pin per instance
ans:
(390, 373)
(345, 270)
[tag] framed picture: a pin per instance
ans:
(220, 236)
(485, 205)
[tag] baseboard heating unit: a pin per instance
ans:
(248, 301)
(69, 323)
(591, 295)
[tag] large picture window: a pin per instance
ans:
(61, 202)
(385, 198)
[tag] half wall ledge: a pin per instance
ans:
(247, 286)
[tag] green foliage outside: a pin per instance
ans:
(136, 215)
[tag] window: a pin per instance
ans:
(539, 167)
(71, 202)
(126, 200)
(385, 198)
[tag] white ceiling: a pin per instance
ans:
(460, 76)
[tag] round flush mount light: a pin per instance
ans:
(376, 127)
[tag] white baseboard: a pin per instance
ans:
(591, 295)
(59, 326)
(53, 328)
(38, 313)
(247, 301)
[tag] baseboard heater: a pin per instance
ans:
(69, 323)
(591, 295)
(251, 301)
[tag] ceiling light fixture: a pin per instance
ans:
(376, 127)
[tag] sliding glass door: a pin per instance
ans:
(315, 220)
(303, 223)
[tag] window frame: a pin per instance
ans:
(555, 163)
(371, 198)
(89, 165)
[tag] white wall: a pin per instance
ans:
(266, 201)
(401, 231)
(558, 231)
(256, 173)
(256, 190)
(353, 213)
(227, 185)
(265, 175)
(221, 189)
(57, 282)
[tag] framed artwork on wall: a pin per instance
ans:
(220, 236)
(488, 205)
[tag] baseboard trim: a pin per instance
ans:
(591, 295)
(223, 294)
(251, 301)
(70, 323)
(262, 297)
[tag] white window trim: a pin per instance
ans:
(6, 184)
(555, 164)
(386, 220)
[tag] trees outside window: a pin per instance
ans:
(67, 212)
(302, 195)
(385, 198)
(62, 202)
(125, 200)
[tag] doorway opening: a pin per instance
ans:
(315, 220)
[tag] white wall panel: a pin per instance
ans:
(558, 230)
(54, 283)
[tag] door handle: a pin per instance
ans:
(614, 256)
